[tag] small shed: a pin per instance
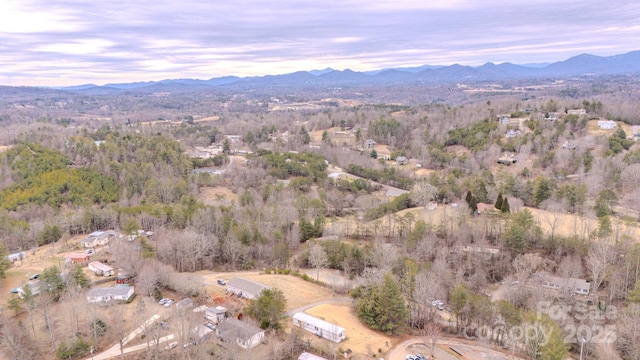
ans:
(184, 303)
(319, 327)
(215, 314)
(402, 160)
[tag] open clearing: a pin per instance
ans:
(217, 195)
(360, 339)
(594, 129)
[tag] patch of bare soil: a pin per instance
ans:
(459, 150)
(217, 195)
(206, 119)
(363, 341)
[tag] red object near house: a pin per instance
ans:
(77, 258)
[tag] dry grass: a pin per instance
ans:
(207, 119)
(217, 195)
(360, 339)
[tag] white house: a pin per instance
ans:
(308, 356)
(101, 269)
(245, 335)
(245, 288)
(607, 124)
(123, 293)
(215, 314)
(319, 327)
(97, 238)
(572, 285)
(17, 256)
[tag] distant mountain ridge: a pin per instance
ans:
(580, 65)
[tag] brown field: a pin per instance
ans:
(217, 195)
(209, 118)
(363, 341)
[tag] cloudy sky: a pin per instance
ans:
(70, 42)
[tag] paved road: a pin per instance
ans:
(115, 349)
(470, 350)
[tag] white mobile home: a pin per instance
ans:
(319, 327)
(101, 269)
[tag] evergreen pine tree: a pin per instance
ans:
(634, 294)
(468, 197)
(498, 204)
(473, 205)
(505, 206)
(391, 307)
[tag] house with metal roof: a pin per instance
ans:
(245, 288)
(570, 285)
(122, 293)
(245, 335)
(319, 327)
(101, 269)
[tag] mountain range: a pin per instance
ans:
(581, 65)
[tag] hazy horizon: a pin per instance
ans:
(74, 43)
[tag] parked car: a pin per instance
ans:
(171, 345)
(164, 325)
(169, 303)
(163, 301)
(221, 282)
(211, 326)
(15, 290)
(34, 276)
(89, 251)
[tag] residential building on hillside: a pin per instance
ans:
(245, 288)
(245, 335)
(571, 285)
(319, 327)
(101, 269)
(122, 293)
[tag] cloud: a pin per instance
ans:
(70, 42)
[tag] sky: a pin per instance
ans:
(72, 42)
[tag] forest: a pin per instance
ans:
(225, 185)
